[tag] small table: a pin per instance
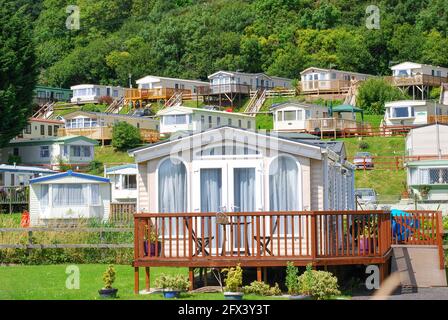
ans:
(224, 238)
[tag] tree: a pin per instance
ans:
(17, 70)
(125, 136)
(374, 93)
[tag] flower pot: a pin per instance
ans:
(170, 294)
(152, 248)
(301, 297)
(108, 293)
(364, 245)
(233, 295)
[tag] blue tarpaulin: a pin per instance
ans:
(403, 231)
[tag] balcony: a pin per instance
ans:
(332, 124)
(231, 88)
(325, 86)
(152, 94)
(416, 80)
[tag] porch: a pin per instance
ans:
(132, 96)
(270, 239)
(417, 80)
(333, 125)
(325, 86)
(105, 133)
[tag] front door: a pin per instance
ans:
(228, 186)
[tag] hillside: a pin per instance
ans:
(194, 38)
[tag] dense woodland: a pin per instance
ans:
(193, 38)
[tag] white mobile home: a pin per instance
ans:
(253, 81)
(322, 80)
(75, 150)
(14, 176)
(412, 112)
(428, 140)
(293, 116)
(124, 182)
(179, 118)
(40, 128)
(155, 82)
(69, 196)
(91, 93)
(411, 69)
(242, 170)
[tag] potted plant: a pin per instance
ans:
(405, 192)
(150, 242)
(108, 279)
(172, 286)
(424, 191)
(233, 283)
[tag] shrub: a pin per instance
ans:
(96, 167)
(291, 278)
(125, 136)
(105, 100)
(14, 159)
(109, 277)
(363, 145)
(177, 282)
(319, 284)
(234, 279)
(260, 288)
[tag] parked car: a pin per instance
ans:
(366, 196)
(363, 160)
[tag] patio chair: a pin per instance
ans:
(198, 241)
(266, 240)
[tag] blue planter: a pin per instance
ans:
(233, 295)
(171, 294)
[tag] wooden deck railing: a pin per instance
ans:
(421, 79)
(310, 86)
(262, 238)
(122, 212)
(14, 195)
(224, 89)
(152, 94)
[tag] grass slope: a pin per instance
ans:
(108, 155)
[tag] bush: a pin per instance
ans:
(374, 93)
(291, 278)
(14, 159)
(125, 136)
(96, 167)
(177, 282)
(234, 279)
(260, 288)
(363, 145)
(319, 284)
(105, 100)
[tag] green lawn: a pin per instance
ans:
(387, 183)
(108, 155)
(47, 282)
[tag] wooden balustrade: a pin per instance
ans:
(14, 195)
(152, 94)
(122, 212)
(262, 238)
(224, 89)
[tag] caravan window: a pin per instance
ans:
(175, 119)
(129, 181)
(289, 115)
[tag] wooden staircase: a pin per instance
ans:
(256, 102)
(45, 112)
(174, 100)
(116, 106)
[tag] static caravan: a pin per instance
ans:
(14, 176)
(75, 150)
(237, 170)
(315, 80)
(427, 140)
(44, 94)
(91, 93)
(40, 128)
(253, 81)
(67, 197)
(411, 69)
(181, 118)
(413, 112)
(124, 182)
(155, 82)
(99, 125)
(294, 116)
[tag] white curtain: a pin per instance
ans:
(95, 194)
(211, 198)
(244, 201)
(43, 198)
(70, 194)
(283, 190)
(172, 189)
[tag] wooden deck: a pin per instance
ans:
(106, 133)
(152, 94)
(324, 86)
(418, 80)
(268, 239)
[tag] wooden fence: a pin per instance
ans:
(122, 212)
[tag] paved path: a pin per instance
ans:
(421, 294)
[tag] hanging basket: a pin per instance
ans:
(222, 218)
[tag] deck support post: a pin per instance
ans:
(265, 274)
(147, 278)
(191, 278)
(259, 274)
(136, 280)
